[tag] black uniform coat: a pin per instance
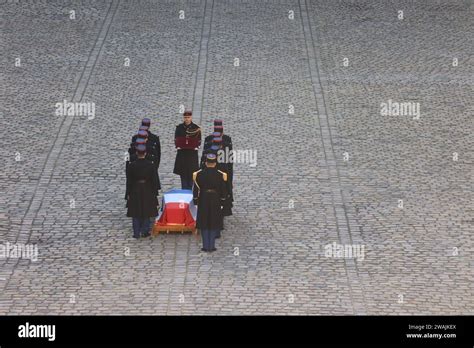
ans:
(151, 156)
(209, 193)
(226, 142)
(227, 167)
(187, 161)
(142, 189)
(153, 144)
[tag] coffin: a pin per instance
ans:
(177, 214)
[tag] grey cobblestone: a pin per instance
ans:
(88, 261)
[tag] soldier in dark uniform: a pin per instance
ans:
(218, 127)
(227, 147)
(213, 150)
(209, 140)
(152, 146)
(210, 149)
(209, 193)
(141, 193)
(142, 138)
(187, 138)
(224, 165)
(155, 139)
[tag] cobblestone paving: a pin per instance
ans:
(333, 170)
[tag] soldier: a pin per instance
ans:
(187, 138)
(212, 150)
(224, 165)
(209, 139)
(155, 139)
(227, 148)
(218, 127)
(217, 148)
(142, 189)
(132, 151)
(142, 138)
(209, 149)
(209, 193)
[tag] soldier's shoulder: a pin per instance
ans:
(196, 173)
(224, 175)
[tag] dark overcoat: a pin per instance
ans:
(142, 189)
(153, 145)
(209, 193)
(187, 160)
(151, 156)
(227, 167)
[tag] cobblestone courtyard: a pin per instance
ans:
(300, 82)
